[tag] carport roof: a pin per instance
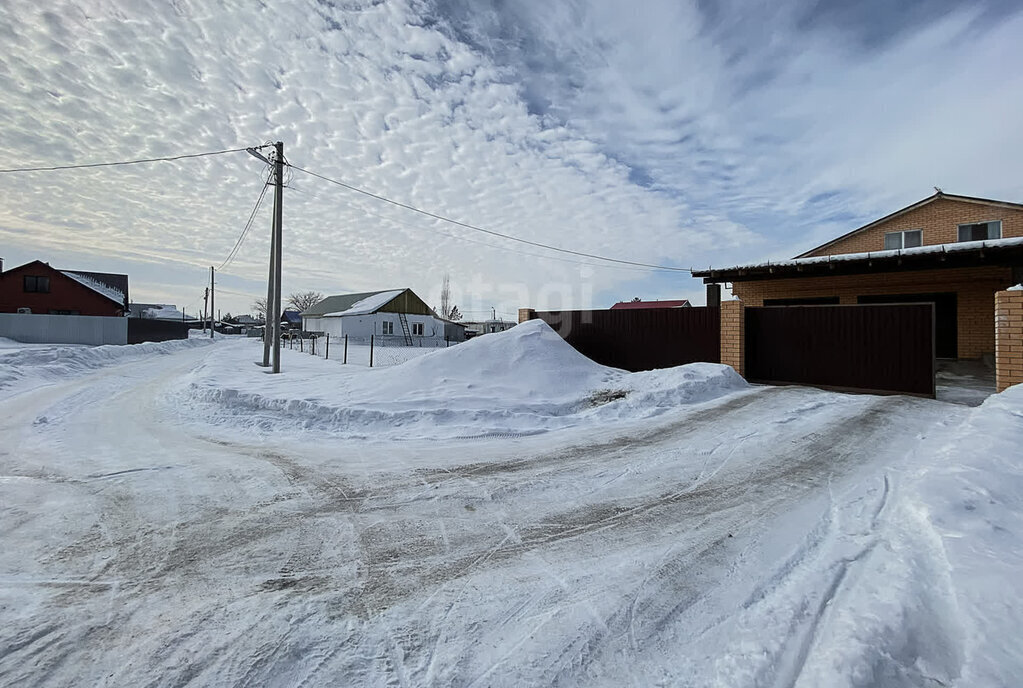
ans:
(996, 252)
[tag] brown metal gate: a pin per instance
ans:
(641, 339)
(872, 348)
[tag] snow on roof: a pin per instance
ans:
(163, 312)
(891, 253)
(632, 305)
(106, 290)
(370, 304)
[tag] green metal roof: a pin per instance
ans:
(341, 302)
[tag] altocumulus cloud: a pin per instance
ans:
(676, 133)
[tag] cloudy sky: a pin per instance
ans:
(674, 132)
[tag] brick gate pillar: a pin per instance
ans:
(1008, 339)
(733, 335)
(526, 314)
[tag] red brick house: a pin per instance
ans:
(38, 288)
(954, 251)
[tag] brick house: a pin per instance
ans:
(954, 251)
(38, 288)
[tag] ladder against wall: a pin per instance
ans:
(404, 329)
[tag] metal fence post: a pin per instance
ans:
(346, 351)
(371, 351)
(326, 348)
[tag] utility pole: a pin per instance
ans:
(205, 307)
(267, 331)
(278, 216)
(213, 322)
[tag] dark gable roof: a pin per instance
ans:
(341, 302)
(914, 206)
(114, 281)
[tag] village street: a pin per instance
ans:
(717, 542)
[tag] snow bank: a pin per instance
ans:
(972, 498)
(27, 367)
(523, 381)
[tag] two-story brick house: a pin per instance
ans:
(954, 251)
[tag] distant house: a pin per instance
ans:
(155, 311)
(291, 320)
(395, 315)
(637, 304)
(474, 328)
(38, 288)
(247, 321)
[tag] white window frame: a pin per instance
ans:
(420, 327)
(902, 238)
(960, 226)
(386, 327)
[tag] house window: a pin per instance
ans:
(388, 327)
(908, 239)
(39, 285)
(417, 329)
(981, 231)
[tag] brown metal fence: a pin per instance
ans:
(641, 339)
(877, 348)
(152, 330)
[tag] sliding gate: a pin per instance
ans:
(870, 348)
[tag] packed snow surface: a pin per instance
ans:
(673, 528)
(523, 381)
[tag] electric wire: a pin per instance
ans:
(476, 228)
(245, 230)
(140, 161)
(571, 261)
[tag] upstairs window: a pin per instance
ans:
(417, 329)
(35, 284)
(387, 327)
(981, 231)
(908, 239)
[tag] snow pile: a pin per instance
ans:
(23, 368)
(972, 497)
(522, 381)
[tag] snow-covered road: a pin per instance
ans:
(754, 539)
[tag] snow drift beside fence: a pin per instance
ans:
(523, 381)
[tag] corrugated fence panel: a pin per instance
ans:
(882, 348)
(63, 329)
(152, 330)
(641, 339)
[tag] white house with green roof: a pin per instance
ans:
(394, 316)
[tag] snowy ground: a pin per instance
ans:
(503, 513)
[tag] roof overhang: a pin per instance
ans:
(996, 253)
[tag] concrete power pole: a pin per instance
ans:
(213, 320)
(278, 198)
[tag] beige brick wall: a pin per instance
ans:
(1008, 339)
(975, 288)
(733, 335)
(939, 221)
(526, 314)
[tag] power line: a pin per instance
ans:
(245, 230)
(571, 261)
(126, 162)
(484, 230)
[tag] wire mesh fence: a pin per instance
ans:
(377, 352)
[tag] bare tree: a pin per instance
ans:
(304, 300)
(259, 308)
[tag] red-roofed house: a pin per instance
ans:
(38, 288)
(637, 304)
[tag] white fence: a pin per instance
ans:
(63, 329)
